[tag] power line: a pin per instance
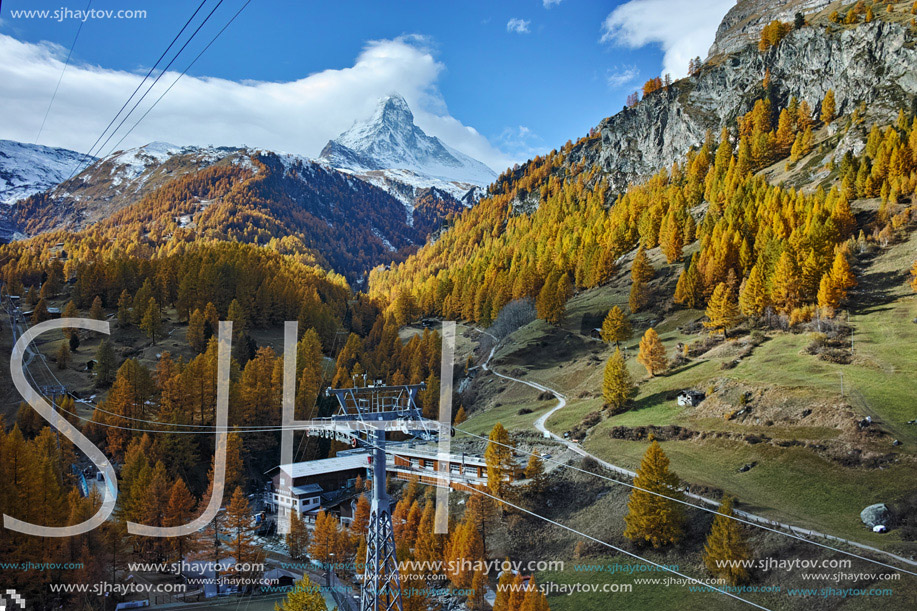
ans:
(620, 550)
(475, 490)
(156, 80)
(223, 29)
(139, 85)
(683, 502)
(61, 77)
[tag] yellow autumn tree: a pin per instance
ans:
(828, 108)
(616, 326)
(785, 283)
(722, 310)
(499, 459)
(305, 596)
(654, 515)
(753, 298)
(671, 238)
(726, 550)
(652, 353)
(617, 384)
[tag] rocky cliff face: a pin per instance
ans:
(744, 21)
(872, 63)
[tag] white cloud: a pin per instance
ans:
(521, 142)
(297, 116)
(683, 28)
(550, 3)
(618, 77)
(519, 26)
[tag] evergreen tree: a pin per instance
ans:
(828, 108)
(429, 545)
(672, 239)
(40, 314)
(639, 296)
(298, 537)
(499, 458)
(617, 385)
(829, 295)
(722, 310)
(236, 314)
(70, 311)
(328, 541)
(652, 353)
(726, 548)
(616, 326)
(463, 550)
(504, 593)
(305, 596)
(641, 270)
(534, 472)
(475, 600)
(841, 274)
(63, 355)
(125, 302)
(180, 511)
(785, 283)
(688, 289)
(106, 365)
(95, 311)
(652, 518)
(551, 302)
(753, 296)
(151, 324)
(195, 335)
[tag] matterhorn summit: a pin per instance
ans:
(390, 141)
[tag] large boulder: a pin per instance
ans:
(876, 515)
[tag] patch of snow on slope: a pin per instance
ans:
(27, 169)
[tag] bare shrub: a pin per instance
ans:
(514, 315)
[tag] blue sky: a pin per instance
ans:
(498, 81)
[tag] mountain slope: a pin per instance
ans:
(638, 141)
(26, 169)
(163, 196)
(571, 215)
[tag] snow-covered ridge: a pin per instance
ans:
(390, 140)
(27, 169)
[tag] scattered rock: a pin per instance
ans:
(875, 515)
(747, 467)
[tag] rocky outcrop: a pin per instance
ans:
(873, 63)
(744, 21)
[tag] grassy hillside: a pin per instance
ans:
(817, 469)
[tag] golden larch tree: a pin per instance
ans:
(652, 353)
(722, 310)
(654, 514)
(753, 299)
(499, 458)
(617, 384)
(726, 550)
(828, 108)
(616, 326)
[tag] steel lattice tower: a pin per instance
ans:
(377, 408)
(381, 583)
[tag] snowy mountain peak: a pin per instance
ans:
(393, 110)
(390, 140)
(26, 169)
